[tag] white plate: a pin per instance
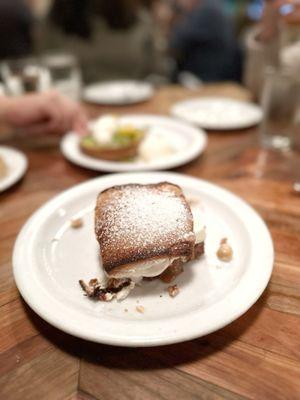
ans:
(16, 163)
(189, 142)
(217, 113)
(118, 92)
(50, 257)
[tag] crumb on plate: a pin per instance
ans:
(225, 252)
(140, 309)
(76, 223)
(173, 290)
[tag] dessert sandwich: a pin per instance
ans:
(144, 232)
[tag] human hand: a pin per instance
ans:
(273, 16)
(43, 114)
(269, 26)
(289, 10)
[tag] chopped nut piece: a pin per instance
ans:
(173, 290)
(76, 223)
(225, 252)
(140, 309)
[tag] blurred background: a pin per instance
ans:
(162, 41)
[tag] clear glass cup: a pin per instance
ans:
(280, 128)
(22, 76)
(65, 74)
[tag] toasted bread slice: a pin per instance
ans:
(139, 223)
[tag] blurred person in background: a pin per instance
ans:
(42, 114)
(112, 39)
(268, 44)
(16, 23)
(201, 39)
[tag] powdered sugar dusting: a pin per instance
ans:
(138, 217)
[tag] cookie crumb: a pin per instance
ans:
(224, 252)
(76, 223)
(140, 309)
(125, 310)
(173, 290)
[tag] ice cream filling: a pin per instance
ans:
(152, 268)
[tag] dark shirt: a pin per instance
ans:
(15, 29)
(203, 43)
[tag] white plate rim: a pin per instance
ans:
(20, 169)
(258, 284)
(89, 99)
(210, 126)
(195, 149)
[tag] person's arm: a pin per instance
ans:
(44, 113)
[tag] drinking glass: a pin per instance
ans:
(280, 128)
(65, 74)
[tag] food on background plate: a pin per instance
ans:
(155, 146)
(3, 168)
(144, 232)
(111, 140)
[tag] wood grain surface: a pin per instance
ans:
(255, 357)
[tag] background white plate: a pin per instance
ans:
(217, 113)
(188, 140)
(118, 92)
(16, 163)
(50, 257)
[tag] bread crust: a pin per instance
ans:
(112, 154)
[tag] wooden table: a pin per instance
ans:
(255, 357)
